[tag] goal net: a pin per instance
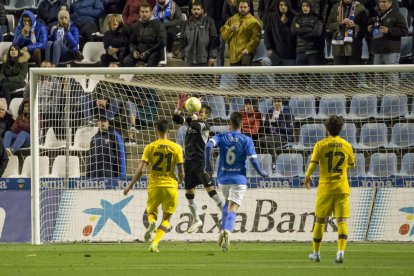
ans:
(90, 126)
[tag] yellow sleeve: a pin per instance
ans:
(255, 39)
(351, 159)
(180, 158)
(147, 153)
(226, 31)
(314, 160)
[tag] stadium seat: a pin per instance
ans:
(228, 81)
(407, 165)
(264, 106)
(59, 166)
(402, 136)
(365, 50)
(16, 5)
(11, 23)
(236, 104)
(83, 137)
(180, 139)
(14, 107)
(92, 52)
(393, 105)
(218, 107)
(289, 165)
(4, 46)
(363, 106)
(316, 172)
(52, 142)
(359, 169)
(43, 167)
(406, 44)
(383, 165)
(12, 168)
(265, 161)
(373, 135)
(411, 115)
(331, 104)
(260, 52)
(309, 135)
(218, 129)
(302, 107)
(348, 132)
(164, 59)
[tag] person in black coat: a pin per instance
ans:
(48, 10)
(115, 42)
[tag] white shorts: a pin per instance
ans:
(233, 192)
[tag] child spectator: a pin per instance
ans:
(19, 136)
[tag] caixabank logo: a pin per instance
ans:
(409, 225)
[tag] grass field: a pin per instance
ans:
(203, 259)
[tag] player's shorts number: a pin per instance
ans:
(337, 168)
(230, 156)
(161, 156)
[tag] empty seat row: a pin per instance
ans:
(58, 168)
(82, 139)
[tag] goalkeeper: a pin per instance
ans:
(195, 140)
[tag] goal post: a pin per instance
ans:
(79, 168)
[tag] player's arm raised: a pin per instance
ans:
(142, 166)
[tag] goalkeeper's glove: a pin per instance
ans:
(182, 98)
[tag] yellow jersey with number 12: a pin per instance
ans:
(162, 155)
(334, 156)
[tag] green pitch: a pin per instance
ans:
(197, 259)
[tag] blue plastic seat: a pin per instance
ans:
(331, 104)
(218, 107)
(411, 115)
(402, 136)
(309, 135)
(21, 5)
(180, 139)
(218, 129)
(407, 165)
(363, 106)
(348, 133)
(265, 161)
(392, 106)
(383, 165)
(373, 135)
(236, 104)
(289, 165)
(264, 106)
(302, 107)
(359, 169)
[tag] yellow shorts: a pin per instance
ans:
(166, 197)
(338, 204)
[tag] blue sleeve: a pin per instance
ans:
(251, 152)
(72, 38)
(207, 156)
(18, 39)
(41, 38)
(257, 167)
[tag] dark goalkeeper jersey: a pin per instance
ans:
(195, 139)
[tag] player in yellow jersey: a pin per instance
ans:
(334, 156)
(161, 156)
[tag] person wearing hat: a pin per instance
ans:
(65, 40)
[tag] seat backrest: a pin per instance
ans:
(348, 133)
(359, 169)
(364, 105)
(264, 106)
(236, 104)
(4, 46)
(180, 139)
(12, 168)
(217, 105)
(43, 166)
(218, 129)
(332, 104)
(393, 105)
(365, 50)
(228, 81)
(51, 141)
(407, 164)
(59, 166)
(265, 161)
(383, 164)
(83, 137)
(289, 165)
(402, 134)
(11, 23)
(260, 52)
(92, 52)
(404, 13)
(406, 44)
(302, 107)
(14, 107)
(311, 133)
(374, 134)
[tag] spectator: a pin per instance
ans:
(3, 22)
(199, 38)
(347, 22)
(85, 14)
(65, 41)
(13, 72)
(242, 31)
(47, 12)
(130, 14)
(19, 136)
(4, 158)
(115, 41)
(168, 12)
(6, 120)
(113, 6)
(231, 7)
(278, 37)
(251, 120)
(266, 7)
(147, 40)
(279, 129)
(31, 36)
(106, 156)
(307, 26)
(387, 29)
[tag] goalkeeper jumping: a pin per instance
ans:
(195, 140)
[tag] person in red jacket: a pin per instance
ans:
(19, 136)
(130, 15)
(252, 120)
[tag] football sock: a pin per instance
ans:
(224, 213)
(342, 235)
(317, 236)
(162, 229)
(193, 206)
(152, 217)
(230, 221)
(213, 194)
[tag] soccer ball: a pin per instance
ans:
(193, 105)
